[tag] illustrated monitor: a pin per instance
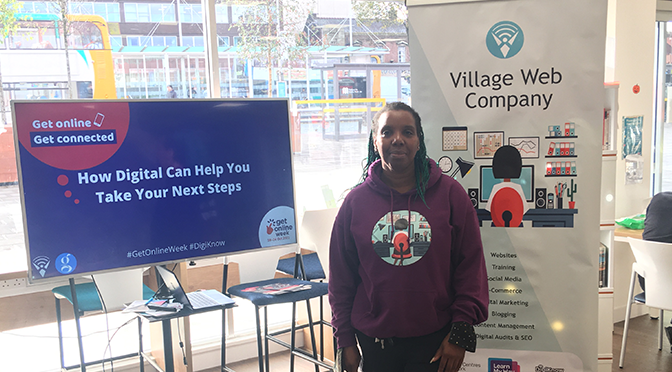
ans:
(526, 181)
(107, 185)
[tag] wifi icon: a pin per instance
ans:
(41, 263)
(505, 39)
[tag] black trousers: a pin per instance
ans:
(398, 354)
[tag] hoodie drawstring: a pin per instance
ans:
(382, 342)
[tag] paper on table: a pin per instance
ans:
(140, 306)
(173, 305)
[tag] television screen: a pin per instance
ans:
(115, 184)
(526, 181)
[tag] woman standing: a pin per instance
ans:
(419, 315)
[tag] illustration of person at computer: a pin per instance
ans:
(507, 203)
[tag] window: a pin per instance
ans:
(109, 11)
(84, 35)
(80, 8)
(151, 40)
(116, 42)
(191, 41)
(401, 53)
(162, 13)
(135, 78)
(140, 12)
(137, 40)
(237, 13)
(221, 13)
(191, 13)
(164, 40)
(38, 7)
(34, 35)
(662, 169)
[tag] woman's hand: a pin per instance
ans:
(450, 356)
(351, 359)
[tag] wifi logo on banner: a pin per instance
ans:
(505, 39)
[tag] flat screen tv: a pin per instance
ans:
(526, 181)
(107, 185)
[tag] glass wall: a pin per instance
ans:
(325, 166)
(663, 124)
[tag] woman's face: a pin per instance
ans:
(396, 140)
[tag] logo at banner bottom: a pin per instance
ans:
(502, 365)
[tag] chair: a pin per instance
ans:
(506, 203)
(302, 270)
(116, 289)
(653, 261)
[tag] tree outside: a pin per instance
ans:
(272, 32)
(8, 11)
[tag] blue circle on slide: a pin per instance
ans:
(278, 227)
(65, 263)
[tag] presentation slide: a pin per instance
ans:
(114, 184)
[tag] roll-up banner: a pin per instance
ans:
(511, 97)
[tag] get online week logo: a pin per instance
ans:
(505, 39)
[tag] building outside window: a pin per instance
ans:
(151, 40)
(401, 53)
(221, 13)
(142, 12)
(42, 7)
(109, 11)
(80, 8)
(237, 13)
(136, 12)
(191, 13)
(162, 13)
(116, 42)
(192, 41)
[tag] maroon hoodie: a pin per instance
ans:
(375, 287)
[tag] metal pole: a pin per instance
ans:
(228, 59)
(350, 20)
(250, 79)
(307, 78)
(75, 307)
(123, 75)
(211, 48)
(144, 75)
(166, 69)
(183, 83)
(179, 23)
(189, 77)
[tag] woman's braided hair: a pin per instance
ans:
(421, 160)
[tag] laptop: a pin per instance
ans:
(194, 300)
